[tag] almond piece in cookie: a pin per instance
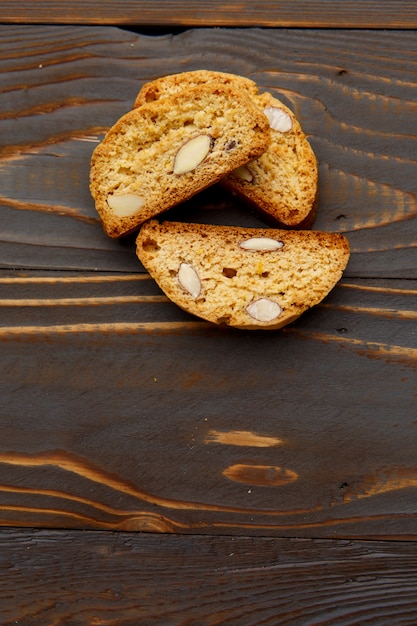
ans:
(192, 153)
(125, 204)
(261, 243)
(189, 280)
(264, 310)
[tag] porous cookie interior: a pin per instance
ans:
(138, 155)
(236, 284)
(282, 182)
(175, 83)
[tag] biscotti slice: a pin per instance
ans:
(283, 183)
(174, 83)
(164, 152)
(249, 278)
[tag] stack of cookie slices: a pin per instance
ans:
(185, 133)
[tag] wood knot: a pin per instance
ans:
(262, 475)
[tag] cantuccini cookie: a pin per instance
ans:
(165, 151)
(282, 184)
(248, 278)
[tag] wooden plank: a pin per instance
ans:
(53, 577)
(120, 412)
(166, 13)
(64, 86)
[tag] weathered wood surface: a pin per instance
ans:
(270, 13)
(58, 577)
(119, 411)
(354, 93)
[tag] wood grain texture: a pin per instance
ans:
(118, 411)
(63, 87)
(80, 578)
(167, 13)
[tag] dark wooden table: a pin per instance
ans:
(156, 470)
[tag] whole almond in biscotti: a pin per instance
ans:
(282, 184)
(163, 152)
(249, 278)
